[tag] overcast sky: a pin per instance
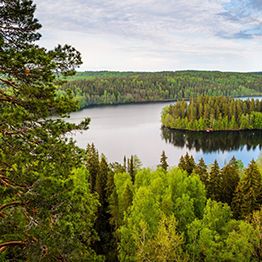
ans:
(157, 35)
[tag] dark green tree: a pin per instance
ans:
(187, 163)
(163, 161)
(101, 180)
(201, 170)
(214, 189)
(248, 195)
(230, 179)
(92, 164)
(47, 212)
(133, 165)
(131, 168)
(127, 197)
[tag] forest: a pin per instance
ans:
(59, 202)
(96, 88)
(208, 113)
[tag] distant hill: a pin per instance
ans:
(111, 87)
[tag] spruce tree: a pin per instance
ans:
(248, 195)
(127, 198)
(187, 163)
(201, 170)
(230, 179)
(131, 168)
(92, 164)
(163, 161)
(214, 189)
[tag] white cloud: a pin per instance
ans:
(154, 35)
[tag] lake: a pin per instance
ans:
(125, 130)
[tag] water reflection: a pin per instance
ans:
(211, 142)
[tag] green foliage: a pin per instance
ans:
(47, 212)
(163, 161)
(92, 164)
(157, 194)
(219, 238)
(187, 163)
(248, 195)
(213, 113)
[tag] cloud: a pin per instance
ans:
(153, 34)
(246, 15)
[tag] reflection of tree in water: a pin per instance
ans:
(214, 141)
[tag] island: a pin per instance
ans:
(206, 113)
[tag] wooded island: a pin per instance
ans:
(213, 113)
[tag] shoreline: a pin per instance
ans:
(212, 131)
(152, 102)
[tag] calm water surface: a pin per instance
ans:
(125, 130)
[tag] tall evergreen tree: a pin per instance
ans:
(214, 188)
(92, 164)
(187, 163)
(248, 195)
(201, 170)
(163, 161)
(230, 179)
(131, 168)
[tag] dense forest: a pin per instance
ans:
(213, 113)
(96, 88)
(62, 203)
(192, 212)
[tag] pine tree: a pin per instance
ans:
(248, 195)
(103, 228)
(187, 163)
(230, 179)
(46, 209)
(131, 168)
(214, 189)
(125, 167)
(182, 164)
(101, 179)
(127, 198)
(163, 161)
(92, 164)
(201, 170)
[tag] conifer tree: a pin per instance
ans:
(127, 198)
(103, 228)
(230, 179)
(131, 169)
(214, 188)
(101, 179)
(163, 161)
(92, 164)
(201, 170)
(187, 163)
(248, 195)
(182, 164)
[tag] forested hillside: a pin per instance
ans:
(213, 113)
(95, 88)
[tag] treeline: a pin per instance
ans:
(95, 88)
(213, 113)
(190, 213)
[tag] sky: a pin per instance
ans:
(156, 35)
